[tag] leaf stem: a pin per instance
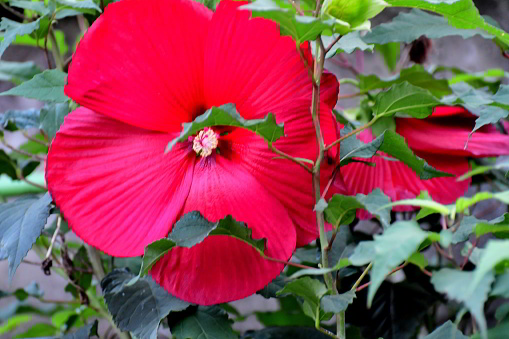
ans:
(29, 137)
(95, 260)
(28, 154)
(358, 282)
(289, 157)
(289, 263)
(54, 237)
(55, 51)
(355, 131)
(360, 288)
(332, 44)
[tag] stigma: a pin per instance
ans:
(205, 142)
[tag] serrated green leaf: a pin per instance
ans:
(17, 71)
(36, 6)
(452, 282)
(273, 287)
(405, 98)
(459, 13)
(395, 145)
(207, 323)
(193, 228)
(46, 86)
(52, 117)
(394, 246)
(337, 303)
(347, 44)
(138, 307)
(84, 332)
(227, 115)
(352, 147)
(12, 29)
(502, 95)
(300, 28)
(415, 75)
(86, 4)
(363, 253)
(22, 119)
(501, 286)
(8, 167)
(486, 115)
(467, 226)
(494, 252)
(407, 27)
(390, 53)
(483, 228)
(309, 289)
(446, 331)
(21, 223)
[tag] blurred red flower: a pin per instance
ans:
(439, 139)
(142, 69)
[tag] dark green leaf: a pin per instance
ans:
(415, 75)
(21, 223)
(46, 86)
(87, 4)
(467, 226)
(227, 115)
(494, 252)
(138, 305)
(407, 27)
(489, 227)
(487, 115)
(285, 332)
(22, 119)
(36, 6)
(8, 167)
(32, 290)
(501, 286)
(12, 29)
(498, 332)
(206, 323)
(405, 98)
(363, 254)
(311, 290)
(453, 283)
(273, 287)
(352, 147)
(372, 203)
(340, 249)
(348, 44)
(447, 331)
(52, 116)
(502, 95)
(18, 71)
(390, 53)
(84, 332)
(153, 253)
(38, 330)
(394, 246)
(337, 303)
(300, 28)
(502, 312)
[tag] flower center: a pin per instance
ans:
(205, 142)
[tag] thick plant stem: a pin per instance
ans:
(55, 51)
(95, 260)
(320, 220)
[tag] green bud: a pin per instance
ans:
(352, 14)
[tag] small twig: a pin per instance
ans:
(12, 11)
(306, 64)
(326, 332)
(425, 271)
(296, 6)
(332, 238)
(57, 229)
(332, 44)
(329, 184)
(102, 5)
(55, 51)
(355, 131)
(351, 95)
(358, 282)
(289, 263)
(26, 135)
(95, 260)
(24, 261)
(289, 157)
(467, 257)
(443, 253)
(46, 52)
(360, 288)
(22, 178)
(28, 154)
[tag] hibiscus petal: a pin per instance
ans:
(253, 66)
(114, 184)
(450, 136)
(448, 111)
(141, 63)
(222, 268)
(399, 182)
(287, 181)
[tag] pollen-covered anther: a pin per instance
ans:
(205, 142)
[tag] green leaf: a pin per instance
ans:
(31, 290)
(36, 6)
(467, 226)
(418, 259)
(498, 332)
(340, 249)
(352, 147)
(347, 44)
(394, 246)
(463, 203)
(86, 4)
(353, 14)
(273, 287)
(494, 252)
(84, 332)
(502, 95)
(415, 75)
(207, 323)
(390, 53)
(372, 203)
(407, 27)
(461, 14)
(446, 331)
(14, 322)
(502, 312)
(405, 98)
(300, 28)
(395, 145)
(21, 223)
(501, 286)
(309, 289)
(487, 115)
(321, 271)
(452, 282)
(192, 229)
(138, 305)
(28, 40)
(8, 167)
(483, 228)
(38, 330)
(46, 86)
(337, 303)
(227, 115)
(17, 71)
(12, 29)
(22, 119)
(52, 117)
(285, 331)
(363, 253)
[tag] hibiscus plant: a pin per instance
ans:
(189, 154)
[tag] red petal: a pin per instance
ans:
(255, 67)
(285, 180)
(141, 63)
(399, 182)
(448, 111)
(222, 268)
(450, 136)
(114, 184)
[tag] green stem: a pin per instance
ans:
(10, 187)
(355, 131)
(55, 51)
(350, 81)
(95, 260)
(358, 282)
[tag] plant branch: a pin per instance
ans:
(332, 44)
(289, 263)
(289, 157)
(358, 282)
(354, 132)
(13, 11)
(54, 237)
(25, 153)
(465, 261)
(29, 137)
(95, 260)
(297, 7)
(360, 288)
(55, 51)
(351, 95)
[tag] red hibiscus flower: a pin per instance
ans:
(143, 69)
(440, 140)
